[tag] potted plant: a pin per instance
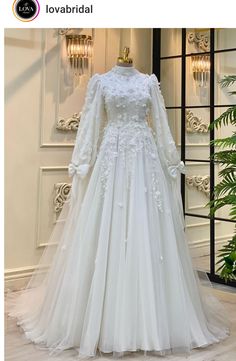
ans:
(225, 190)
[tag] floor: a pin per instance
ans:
(18, 349)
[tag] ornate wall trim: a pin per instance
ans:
(70, 123)
(63, 31)
(202, 183)
(62, 190)
(202, 41)
(195, 124)
(49, 136)
(39, 243)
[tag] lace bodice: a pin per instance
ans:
(126, 93)
(123, 98)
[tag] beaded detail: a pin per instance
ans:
(115, 127)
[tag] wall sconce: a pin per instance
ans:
(79, 52)
(201, 69)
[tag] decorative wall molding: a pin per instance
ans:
(50, 111)
(205, 242)
(200, 247)
(202, 183)
(195, 124)
(17, 278)
(46, 49)
(63, 31)
(62, 190)
(202, 41)
(69, 124)
(39, 243)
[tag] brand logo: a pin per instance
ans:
(26, 10)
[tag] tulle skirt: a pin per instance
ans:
(121, 276)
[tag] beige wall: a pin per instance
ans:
(36, 153)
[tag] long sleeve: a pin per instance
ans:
(89, 131)
(167, 150)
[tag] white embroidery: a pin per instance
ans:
(126, 98)
(127, 132)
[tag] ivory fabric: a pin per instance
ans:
(120, 277)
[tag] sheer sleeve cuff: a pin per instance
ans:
(80, 170)
(173, 169)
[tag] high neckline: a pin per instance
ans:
(122, 70)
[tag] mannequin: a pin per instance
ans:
(125, 60)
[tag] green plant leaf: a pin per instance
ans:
(225, 142)
(221, 202)
(227, 185)
(225, 157)
(228, 170)
(228, 117)
(227, 80)
(225, 191)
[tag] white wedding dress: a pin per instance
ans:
(117, 275)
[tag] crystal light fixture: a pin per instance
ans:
(79, 52)
(201, 69)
